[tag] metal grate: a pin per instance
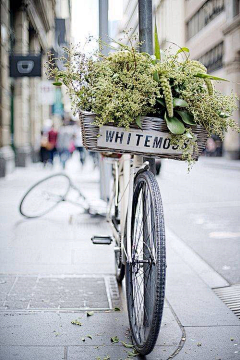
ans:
(230, 295)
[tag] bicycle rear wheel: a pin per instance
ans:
(145, 275)
(44, 195)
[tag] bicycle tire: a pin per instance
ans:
(40, 211)
(145, 318)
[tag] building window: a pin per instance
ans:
(208, 12)
(213, 59)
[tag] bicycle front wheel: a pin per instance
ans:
(44, 196)
(145, 274)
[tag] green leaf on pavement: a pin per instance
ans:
(132, 354)
(138, 122)
(76, 322)
(89, 336)
(183, 49)
(90, 313)
(179, 102)
(156, 42)
(186, 117)
(127, 345)
(175, 126)
(83, 339)
(114, 339)
(210, 77)
(117, 309)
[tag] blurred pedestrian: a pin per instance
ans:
(52, 143)
(44, 153)
(78, 143)
(64, 139)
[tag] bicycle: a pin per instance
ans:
(136, 217)
(49, 192)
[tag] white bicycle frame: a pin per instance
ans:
(126, 169)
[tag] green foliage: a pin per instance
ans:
(125, 85)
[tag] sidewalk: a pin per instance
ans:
(51, 275)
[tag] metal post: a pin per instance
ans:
(103, 24)
(146, 37)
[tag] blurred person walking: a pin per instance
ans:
(52, 142)
(64, 141)
(44, 153)
(78, 143)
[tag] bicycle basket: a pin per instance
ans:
(153, 140)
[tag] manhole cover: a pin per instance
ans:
(58, 292)
(230, 295)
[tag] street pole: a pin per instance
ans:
(105, 168)
(146, 38)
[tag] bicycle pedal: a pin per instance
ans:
(101, 240)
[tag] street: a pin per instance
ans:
(51, 274)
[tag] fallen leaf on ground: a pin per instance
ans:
(127, 345)
(117, 309)
(89, 336)
(114, 339)
(83, 339)
(76, 322)
(132, 354)
(199, 344)
(90, 313)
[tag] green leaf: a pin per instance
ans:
(188, 135)
(138, 122)
(57, 83)
(179, 102)
(224, 115)
(156, 76)
(127, 345)
(114, 339)
(76, 322)
(183, 49)
(174, 125)
(161, 102)
(89, 336)
(186, 117)
(117, 309)
(210, 77)
(132, 354)
(90, 313)
(83, 339)
(157, 45)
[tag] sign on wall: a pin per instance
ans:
(46, 93)
(29, 65)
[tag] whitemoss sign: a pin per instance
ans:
(147, 141)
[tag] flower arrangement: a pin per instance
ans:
(125, 85)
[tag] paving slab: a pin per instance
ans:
(32, 353)
(211, 343)
(56, 329)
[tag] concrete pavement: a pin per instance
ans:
(51, 275)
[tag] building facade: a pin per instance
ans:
(211, 30)
(28, 27)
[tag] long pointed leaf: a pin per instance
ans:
(210, 77)
(156, 76)
(138, 122)
(161, 102)
(186, 117)
(157, 45)
(175, 126)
